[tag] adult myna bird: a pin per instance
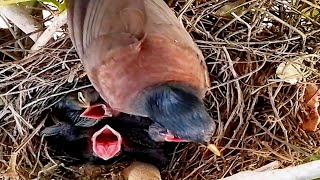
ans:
(143, 62)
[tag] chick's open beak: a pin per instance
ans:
(97, 111)
(106, 143)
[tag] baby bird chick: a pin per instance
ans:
(85, 108)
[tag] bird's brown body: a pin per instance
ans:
(142, 61)
(129, 46)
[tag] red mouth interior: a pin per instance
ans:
(96, 112)
(175, 139)
(169, 137)
(106, 143)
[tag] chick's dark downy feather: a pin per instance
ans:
(72, 105)
(136, 141)
(67, 131)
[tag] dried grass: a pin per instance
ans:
(258, 114)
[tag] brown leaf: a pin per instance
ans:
(245, 68)
(312, 94)
(312, 119)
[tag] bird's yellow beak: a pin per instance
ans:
(83, 100)
(213, 148)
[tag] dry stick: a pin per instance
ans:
(229, 168)
(311, 4)
(184, 9)
(248, 25)
(303, 36)
(18, 38)
(5, 20)
(29, 77)
(239, 78)
(13, 159)
(301, 172)
(54, 95)
(58, 21)
(276, 153)
(21, 19)
(239, 106)
(257, 123)
(276, 113)
(38, 156)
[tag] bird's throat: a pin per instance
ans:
(106, 143)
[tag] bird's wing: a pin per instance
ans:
(101, 29)
(65, 130)
(91, 20)
(162, 20)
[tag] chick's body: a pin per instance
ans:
(136, 142)
(72, 105)
(73, 131)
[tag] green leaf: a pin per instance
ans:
(7, 2)
(315, 12)
(312, 158)
(227, 9)
(310, 12)
(60, 4)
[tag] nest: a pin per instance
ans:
(258, 114)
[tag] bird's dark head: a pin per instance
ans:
(88, 101)
(181, 111)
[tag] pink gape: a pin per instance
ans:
(106, 143)
(98, 111)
